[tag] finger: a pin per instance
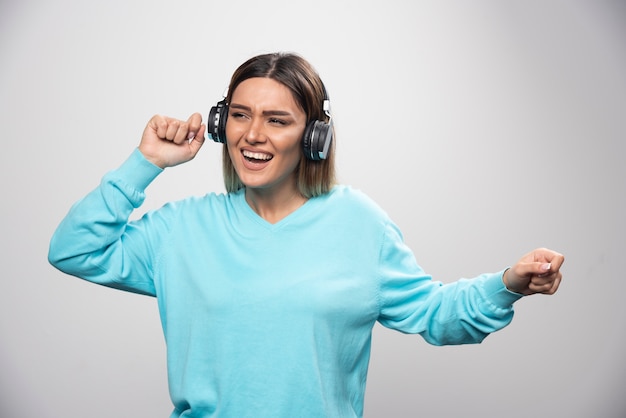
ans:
(189, 129)
(158, 124)
(182, 134)
(557, 261)
(172, 129)
(534, 269)
(542, 280)
(548, 256)
(545, 284)
(542, 287)
(554, 286)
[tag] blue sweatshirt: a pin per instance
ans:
(268, 320)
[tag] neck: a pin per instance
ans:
(274, 206)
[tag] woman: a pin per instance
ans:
(268, 293)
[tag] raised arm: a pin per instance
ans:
(95, 241)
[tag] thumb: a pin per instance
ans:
(535, 268)
(197, 141)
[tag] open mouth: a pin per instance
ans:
(256, 157)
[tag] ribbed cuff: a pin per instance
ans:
(497, 292)
(137, 171)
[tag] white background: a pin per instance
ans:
(484, 128)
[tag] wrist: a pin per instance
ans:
(504, 278)
(152, 159)
(138, 171)
(509, 286)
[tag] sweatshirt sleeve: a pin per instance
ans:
(96, 242)
(462, 312)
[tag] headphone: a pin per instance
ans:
(316, 139)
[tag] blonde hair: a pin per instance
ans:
(314, 178)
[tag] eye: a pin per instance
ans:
(237, 115)
(275, 121)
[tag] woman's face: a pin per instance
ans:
(264, 131)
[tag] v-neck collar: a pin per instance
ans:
(302, 211)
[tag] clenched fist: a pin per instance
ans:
(167, 142)
(536, 272)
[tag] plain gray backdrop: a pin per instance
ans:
(484, 128)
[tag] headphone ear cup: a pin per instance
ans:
(306, 140)
(216, 124)
(316, 140)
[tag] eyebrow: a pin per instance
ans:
(265, 112)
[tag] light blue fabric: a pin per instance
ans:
(268, 320)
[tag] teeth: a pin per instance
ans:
(257, 155)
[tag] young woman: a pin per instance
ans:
(268, 293)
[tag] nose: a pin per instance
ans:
(255, 132)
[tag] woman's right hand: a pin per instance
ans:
(167, 142)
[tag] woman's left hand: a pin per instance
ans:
(536, 272)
